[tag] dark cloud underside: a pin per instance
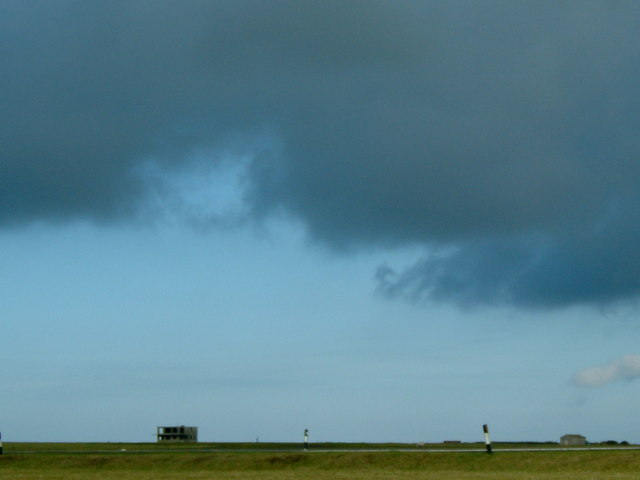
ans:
(501, 135)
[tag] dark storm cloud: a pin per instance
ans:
(502, 136)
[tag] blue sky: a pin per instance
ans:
(381, 221)
(112, 331)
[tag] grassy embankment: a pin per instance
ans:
(198, 465)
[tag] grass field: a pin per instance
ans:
(54, 461)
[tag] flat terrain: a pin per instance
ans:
(235, 462)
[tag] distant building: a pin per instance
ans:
(177, 434)
(572, 440)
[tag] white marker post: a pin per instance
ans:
(487, 440)
(306, 438)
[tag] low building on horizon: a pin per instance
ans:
(573, 440)
(177, 434)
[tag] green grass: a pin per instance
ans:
(198, 465)
(88, 447)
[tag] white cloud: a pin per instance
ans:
(624, 368)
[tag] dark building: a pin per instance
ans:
(177, 434)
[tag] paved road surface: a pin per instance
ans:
(323, 450)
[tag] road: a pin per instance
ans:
(321, 450)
